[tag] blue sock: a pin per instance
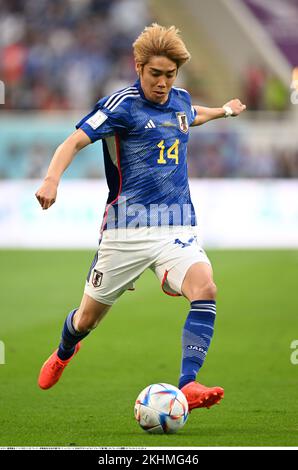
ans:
(70, 337)
(196, 337)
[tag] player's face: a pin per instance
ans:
(157, 78)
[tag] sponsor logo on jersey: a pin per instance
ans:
(150, 125)
(97, 119)
(182, 121)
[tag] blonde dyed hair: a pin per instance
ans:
(157, 40)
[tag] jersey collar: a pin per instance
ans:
(137, 84)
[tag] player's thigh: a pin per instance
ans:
(198, 282)
(179, 255)
(115, 268)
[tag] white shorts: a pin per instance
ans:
(124, 254)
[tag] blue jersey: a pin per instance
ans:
(145, 156)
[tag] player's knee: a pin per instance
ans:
(84, 324)
(206, 291)
(210, 291)
(87, 317)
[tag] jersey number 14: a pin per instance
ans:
(172, 152)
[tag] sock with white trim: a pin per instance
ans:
(196, 338)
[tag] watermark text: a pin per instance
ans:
(2, 353)
(294, 355)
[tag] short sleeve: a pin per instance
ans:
(101, 122)
(193, 114)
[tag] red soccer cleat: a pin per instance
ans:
(52, 369)
(199, 396)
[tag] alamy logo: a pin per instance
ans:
(2, 353)
(294, 355)
(123, 215)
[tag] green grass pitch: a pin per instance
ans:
(138, 343)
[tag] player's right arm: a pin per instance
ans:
(62, 158)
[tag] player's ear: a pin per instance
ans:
(138, 68)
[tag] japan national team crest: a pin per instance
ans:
(182, 121)
(96, 278)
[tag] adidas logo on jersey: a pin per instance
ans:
(150, 125)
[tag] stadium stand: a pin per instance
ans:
(59, 58)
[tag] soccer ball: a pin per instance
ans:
(161, 408)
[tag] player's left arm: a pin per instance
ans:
(233, 108)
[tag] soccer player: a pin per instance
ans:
(149, 219)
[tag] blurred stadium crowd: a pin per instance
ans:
(65, 55)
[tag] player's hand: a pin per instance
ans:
(236, 106)
(47, 193)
